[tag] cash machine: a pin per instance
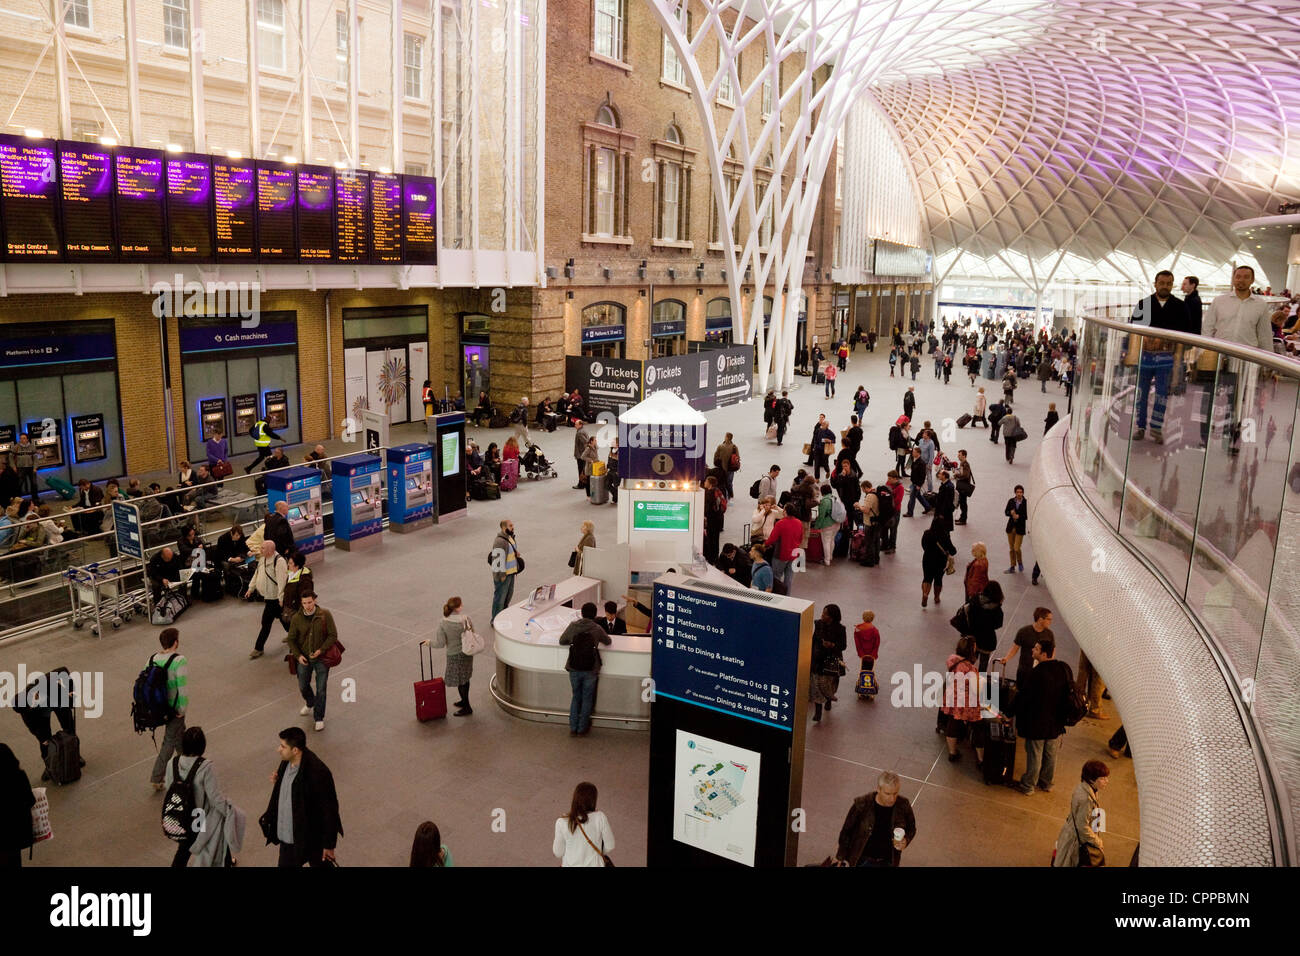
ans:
(245, 413)
(88, 438)
(47, 436)
(358, 500)
(277, 409)
(212, 416)
(300, 489)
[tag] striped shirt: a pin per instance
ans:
(177, 680)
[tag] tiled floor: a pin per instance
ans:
(495, 784)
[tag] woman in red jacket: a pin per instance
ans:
(961, 700)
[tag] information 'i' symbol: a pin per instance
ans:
(661, 464)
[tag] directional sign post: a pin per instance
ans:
(126, 528)
(730, 671)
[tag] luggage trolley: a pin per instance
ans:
(98, 594)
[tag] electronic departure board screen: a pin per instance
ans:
(234, 200)
(315, 213)
(352, 216)
(85, 202)
(86, 190)
(385, 218)
(139, 191)
(276, 199)
(189, 207)
(29, 190)
(419, 217)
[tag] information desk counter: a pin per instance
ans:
(530, 680)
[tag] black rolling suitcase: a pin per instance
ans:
(1000, 752)
(210, 585)
(963, 421)
(63, 758)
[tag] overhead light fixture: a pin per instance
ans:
(173, 147)
(339, 164)
(34, 133)
(672, 273)
(609, 273)
(289, 159)
(234, 154)
(107, 141)
(385, 170)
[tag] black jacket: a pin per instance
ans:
(618, 627)
(1042, 700)
(1172, 315)
(861, 820)
(160, 569)
(277, 530)
(1192, 305)
(945, 501)
(836, 634)
(316, 823)
(983, 618)
(1017, 515)
(584, 637)
(936, 548)
(738, 567)
(916, 470)
(16, 800)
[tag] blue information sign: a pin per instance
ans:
(126, 528)
(725, 653)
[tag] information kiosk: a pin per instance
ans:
(662, 462)
(730, 669)
(447, 436)
(300, 489)
(410, 487)
(358, 500)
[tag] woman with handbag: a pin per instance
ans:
(218, 450)
(583, 836)
(588, 540)
(961, 704)
(828, 644)
(977, 571)
(460, 666)
(1079, 843)
(937, 551)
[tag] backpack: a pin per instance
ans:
(179, 804)
(1076, 705)
(733, 463)
(838, 514)
(885, 503)
(152, 706)
(896, 439)
(753, 489)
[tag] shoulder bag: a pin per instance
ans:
(333, 655)
(471, 642)
(603, 856)
(222, 469)
(1089, 855)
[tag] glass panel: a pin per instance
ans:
(671, 188)
(605, 192)
(1166, 457)
(1095, 394)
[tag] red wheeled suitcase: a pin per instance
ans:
(814, 552)
(509, 474)
(431, 694)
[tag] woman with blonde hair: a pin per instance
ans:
(460, 666)
(588, 540)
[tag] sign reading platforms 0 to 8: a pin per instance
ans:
(726, 724)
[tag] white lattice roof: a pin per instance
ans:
(1124, 133)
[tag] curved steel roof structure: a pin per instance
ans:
(1124, 137)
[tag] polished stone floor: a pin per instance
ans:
(495, 784)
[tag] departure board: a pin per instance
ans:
(352, 216)
(85, 202)
(385, 218)
(234, 196)
(315, 213)
(189, 207)
(29, 185)
(419, 219)
(139, 192)
(86, 189)
(275, 213)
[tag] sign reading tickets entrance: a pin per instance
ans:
(662, 516)
(730, 669)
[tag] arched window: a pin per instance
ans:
(603, 330)
(717, 320)
(672, 134)
(606, 116)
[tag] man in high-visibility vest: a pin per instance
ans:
(261, 434)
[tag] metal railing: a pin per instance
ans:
(34, 593)
(1186, 447)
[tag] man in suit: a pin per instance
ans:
(88, 496)
(611, 622)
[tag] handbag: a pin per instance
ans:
(965, 487)
(771, 431)
(828, 447)
(472, 642)
(293, 663)
(603, 856)
(1089, 855)
(333, 655)
(41, 828)
(952, 566)
(222, 469)
(573, 558)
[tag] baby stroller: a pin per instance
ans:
(535, 464)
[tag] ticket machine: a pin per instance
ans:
(358, 500)
(8, 437)
(300, 488)
(410, 487)
(88, 438)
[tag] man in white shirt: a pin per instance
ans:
(1244, 318)
(1239, 316)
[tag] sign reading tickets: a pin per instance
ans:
(662, 516)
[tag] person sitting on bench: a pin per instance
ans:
(164, 572)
